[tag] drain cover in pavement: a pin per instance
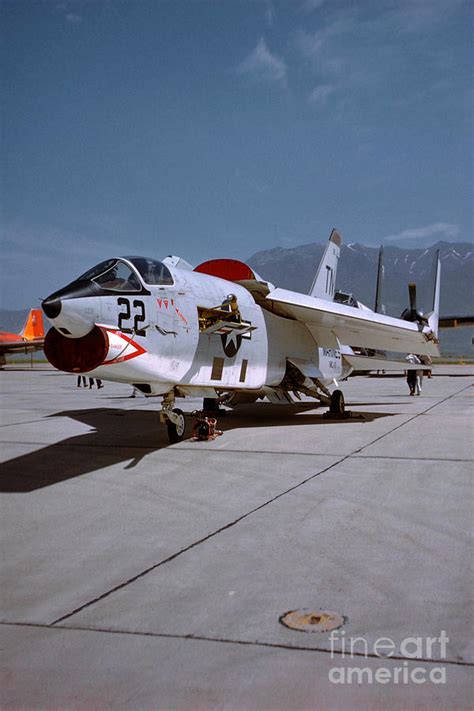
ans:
(309, 621)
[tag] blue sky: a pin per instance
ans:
(222, 128)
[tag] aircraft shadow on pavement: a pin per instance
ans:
(130, 435)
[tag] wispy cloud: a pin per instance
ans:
(442, 230)
(263, 67)
(72, 10)
(339, 50)
(319, 95)
(310, 5)
(269, 12)
(73, 18)
(413, 16)
(310, 44)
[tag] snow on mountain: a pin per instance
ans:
(294, 269)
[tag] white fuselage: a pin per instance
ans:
(177, 354)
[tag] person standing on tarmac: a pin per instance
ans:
(413, 376)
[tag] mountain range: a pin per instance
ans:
(357, 272)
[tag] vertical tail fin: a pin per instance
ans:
(33, 327)
(324, 284)
(433, 316)
(379, 305)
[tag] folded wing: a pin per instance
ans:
(332, 324)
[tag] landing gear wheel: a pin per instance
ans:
(337, 406)
(176, 429)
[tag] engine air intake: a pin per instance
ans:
(76, 355)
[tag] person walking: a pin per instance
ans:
(98, 383)
(419, 378)
(426, 360)
(413, 379)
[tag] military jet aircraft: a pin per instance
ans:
(219, 331)
(30, 338)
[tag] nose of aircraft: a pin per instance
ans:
(51, 306)
(73, 316)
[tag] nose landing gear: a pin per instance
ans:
(177, 426)
(173, 418)
(204, 428)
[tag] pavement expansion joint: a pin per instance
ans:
(414, 417)
(231, 641)
(196, 543)
(409, 459)
(233, 523)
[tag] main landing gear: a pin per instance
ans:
(337, 407)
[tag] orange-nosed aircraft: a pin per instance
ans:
(30, 338)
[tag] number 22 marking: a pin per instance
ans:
(126, 315)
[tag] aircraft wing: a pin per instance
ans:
(34, 344)
(379, 362)
(332, 323)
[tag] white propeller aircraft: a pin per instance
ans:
(221, 332)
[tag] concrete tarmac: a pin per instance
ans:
(139, 575)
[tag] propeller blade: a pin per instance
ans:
(412, 296)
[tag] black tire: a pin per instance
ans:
(338, 405)
(176, 432)
(203, 431)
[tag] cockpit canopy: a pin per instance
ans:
(152, 272)
(123, 275)
(113, 275)
(117, 275)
